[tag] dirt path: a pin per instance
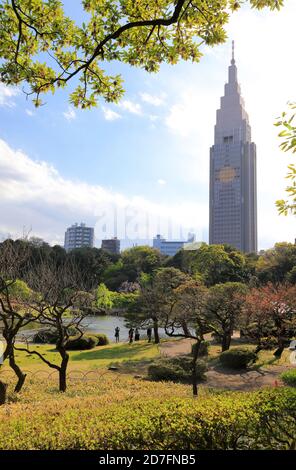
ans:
(218, 377)
(176, 348)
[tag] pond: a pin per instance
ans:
(105, 324)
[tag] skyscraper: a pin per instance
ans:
(233, 191)
(78, 236)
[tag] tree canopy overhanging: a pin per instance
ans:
(288, 133)
(44, 49)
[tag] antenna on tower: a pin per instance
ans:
(232, 60)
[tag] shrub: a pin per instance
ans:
(238, 358)
(81, 344)
(289, 377)
(265, 419)
(50, 336)
(177, 369)
(203, 349)
(102, 339)
(45, 336)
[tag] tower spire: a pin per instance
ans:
(232, 60)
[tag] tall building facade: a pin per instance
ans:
(79, 236)
(233, 187)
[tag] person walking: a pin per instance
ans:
(117, 330)
(137, 334)
(149, 334)
(131, 335)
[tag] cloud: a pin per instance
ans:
(110, 115)
(70, 114)
(161, 182)
(29, 112)
(34, 194)
(130, 106)
(267, 77)
(6, 95)
(154, 100)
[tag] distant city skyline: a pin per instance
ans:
(59, 164)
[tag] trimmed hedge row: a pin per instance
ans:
(176, 369)
(84, 342)
(87, 342)
(260, 420)
(238, 358)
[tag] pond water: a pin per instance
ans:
(105, 324)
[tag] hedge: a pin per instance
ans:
(238, 358)
(265, 419)
(81, 343)
(177, 369)
(289, 377)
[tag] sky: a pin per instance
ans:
(145, 161)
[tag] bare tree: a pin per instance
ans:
(61, 306)
(13, 300)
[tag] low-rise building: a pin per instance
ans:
(79, 236)
(111, 245)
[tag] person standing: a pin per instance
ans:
(131, 335)
(117, 330)
(149, 334)
(137, 334)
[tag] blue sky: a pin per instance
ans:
(151, 151)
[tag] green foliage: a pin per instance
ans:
(276, 264)
(44, 48)
(85, 342)
(238, 358)
(289, 377)
(177, 369)
(124, 301)
(102, 339)
(45, 336)
(287, 122)
(91, 264)
(104, 299)
(213, 264)
(114, 275)
(138, 415)
(223, 308)
(203, 349)
(20, 291)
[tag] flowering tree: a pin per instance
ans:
(269, 316)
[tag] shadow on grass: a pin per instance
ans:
(123, 351)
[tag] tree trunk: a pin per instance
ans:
(3, 388)
(155, 329)
(21, 377)
(63, 371)
(279, 351)
(258, 349)
(194, 375)
(185, 328)
(226, 340)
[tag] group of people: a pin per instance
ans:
(133, 334)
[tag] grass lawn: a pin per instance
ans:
(99, 357)
(265, 358)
